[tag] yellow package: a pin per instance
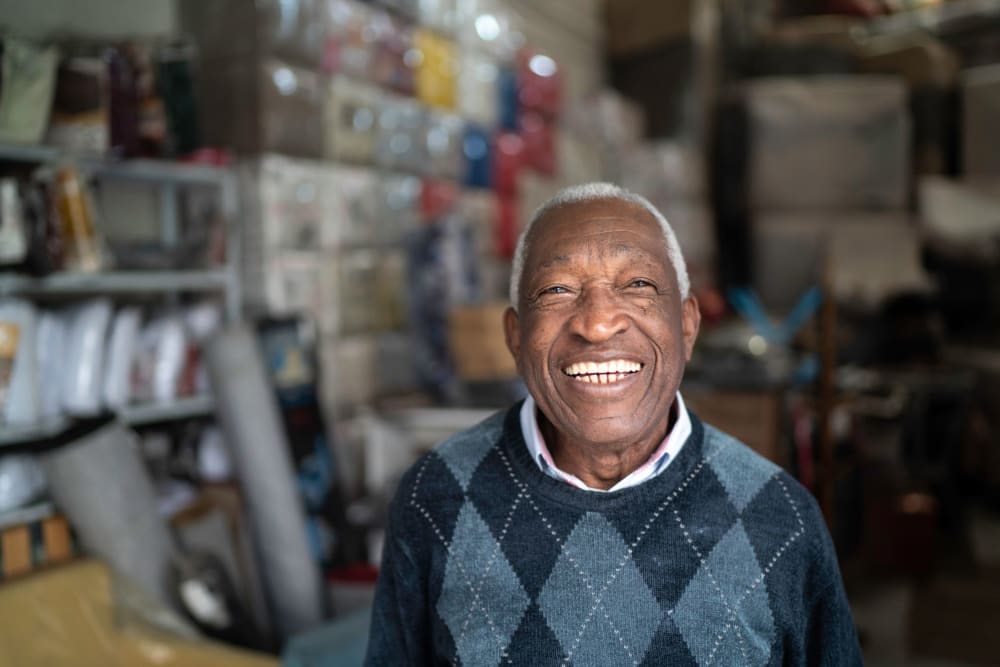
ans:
(437, 70)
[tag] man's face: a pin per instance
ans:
(601, 335)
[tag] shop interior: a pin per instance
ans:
(254, 257)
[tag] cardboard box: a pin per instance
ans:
(477, 343)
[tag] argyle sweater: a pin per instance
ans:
(722, 559)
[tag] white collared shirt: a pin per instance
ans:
(654, 465)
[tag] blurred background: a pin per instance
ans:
(253, 258)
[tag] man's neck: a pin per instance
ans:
(601, 465)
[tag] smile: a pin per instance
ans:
(602, 372)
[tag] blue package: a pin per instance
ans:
(510, 104)
(478, 157)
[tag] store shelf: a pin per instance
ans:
(133, 415)
(153, 171)
(113, 282)
(185, 408)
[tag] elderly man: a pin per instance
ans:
(599, 522)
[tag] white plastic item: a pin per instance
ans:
(171, 352)
(18, 363)
(87, 326)
(119, 355)
(21, 481)
(50, 353)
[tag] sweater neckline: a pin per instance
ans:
(559, 491)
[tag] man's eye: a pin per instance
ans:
(555, 289)
(640, 283)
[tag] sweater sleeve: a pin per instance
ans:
(830, 636)
(400, 632)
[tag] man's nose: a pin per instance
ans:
(600, 315)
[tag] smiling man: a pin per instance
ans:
(599, 522)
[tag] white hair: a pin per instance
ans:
(596, 192)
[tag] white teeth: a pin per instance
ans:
(617, 366)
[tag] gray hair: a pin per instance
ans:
(595, 192)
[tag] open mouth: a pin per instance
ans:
(602, 372)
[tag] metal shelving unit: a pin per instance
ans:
(169, 178)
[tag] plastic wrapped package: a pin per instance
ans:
(441, 15)
(161, 359)
(291, 30)
(538, 134)
(859, 125)
(478, 157)
(293, 199)
(396, 58)
(292, 284)
(21, 481)
(539, 82)
(19, 381)
(402, 131)
(354, 204)
(291, 110)
(445, 133)
(29, 81)
(86, 329)
(509, 158)
(399, 207)
(351, 39)
(82, 246)
(357, 281)
(102, 620)
(119, 355)
(79, 119)
(351, 115)
(478, 88)
(13, 226)
(390, 290)
(50, 364)
(437, 69)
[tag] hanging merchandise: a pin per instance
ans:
(539, 82)
(538, 133)
(445, 135)
(508, 99)
(479, 88)
(402, 135)
(479, 165)
(79, 121)
(291, 109)
(437, 70)
(396, 58)
(27, 86)
(399, 207)
(508, 226)
(351, 115)
(13, 234)
(77, 221)
(509, 158)
(351, 39)
(86, 332)
(19, 398)
(438, 199)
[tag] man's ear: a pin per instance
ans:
(512, 334)
(691, 322)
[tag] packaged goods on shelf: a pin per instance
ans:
(19, 388)
(291, 110)
(13, 225)
(82, 247)
(540, 83)
(396, 60)
(83, 360)
(508, 98)
(608, 117)
(79, 119)
(390, 291)
(669, 170)
(357, 281)
(980, 105)
(478, 151)
(478, 88)
(351, 39)
(509, 158)
(351, 121)
(293, 284)
(346, 365)
(394, 372)
(122, 342)
(290, 30)
(436, 69)
(538, 133)
(160, 359)
(440, 15)
(487, 25)
(509, 222)
(445, 135)
(28, 73)
(51, 336)
(861, 127)
(579, 161)
(294, 198)
(399, 197)
(402, 132)
(354, 204)
(478, 210)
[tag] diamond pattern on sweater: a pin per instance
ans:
(724, 614)
(741, 471)
(464, 452)
(595, 600)
(482, 600)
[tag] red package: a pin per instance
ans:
(508, 159)
(538, 134)
(539, 82)
(438, 198)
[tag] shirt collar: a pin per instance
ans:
(654, 465)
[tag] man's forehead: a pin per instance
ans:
(611, 223)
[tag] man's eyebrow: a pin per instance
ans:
(552, 261)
